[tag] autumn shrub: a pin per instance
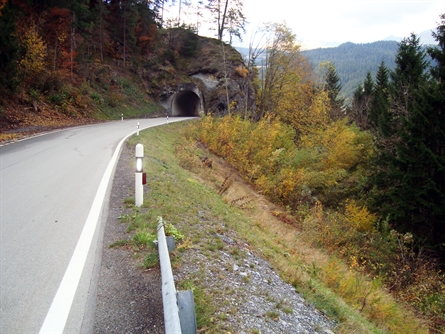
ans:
(33, 52)
(381, 253)
(114, 99)
(96, 97)
(359, 217)
(327, 164)
(253, 148)
(126, 86)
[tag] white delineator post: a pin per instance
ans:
(138, 175)
(137, 134)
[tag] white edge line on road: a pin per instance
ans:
(58, 313)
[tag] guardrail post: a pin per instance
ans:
(187, 314)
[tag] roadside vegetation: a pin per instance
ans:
(314, 248)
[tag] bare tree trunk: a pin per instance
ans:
(71, 46)
(125, 33)
(225, 77)
(179, 16)
(101, 37)
(221, 26)
(55, 55)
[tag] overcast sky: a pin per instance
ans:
(324, 23)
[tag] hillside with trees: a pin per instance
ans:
(80, 61)
(352, 61)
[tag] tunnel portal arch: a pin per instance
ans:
(187, 101)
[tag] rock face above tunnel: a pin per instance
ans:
(212, 72)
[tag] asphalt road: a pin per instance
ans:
(54, 192)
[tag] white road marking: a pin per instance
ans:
(58, 313)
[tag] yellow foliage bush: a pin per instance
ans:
(359, 216)
(34, 51)
(326, 164)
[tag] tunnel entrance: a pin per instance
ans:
(186, 103)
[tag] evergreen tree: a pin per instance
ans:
(411, 178)
(417, 198)
(368, 85)
(9, 47)
(361, 103)
(437, 53)
(379, 111)
(333, 88)
(408, 75)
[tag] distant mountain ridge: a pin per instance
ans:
(426, 37)
(353, 61)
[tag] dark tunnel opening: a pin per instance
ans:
(186, 103)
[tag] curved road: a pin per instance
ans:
(54, 190)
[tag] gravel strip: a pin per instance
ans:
(252, 297)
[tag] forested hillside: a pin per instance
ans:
(352, 61)
(69, 62)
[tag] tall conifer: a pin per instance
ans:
(411, 177)
(333, 88)
(379, 112)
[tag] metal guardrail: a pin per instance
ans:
(179, 309)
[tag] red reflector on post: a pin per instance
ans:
(144, 178)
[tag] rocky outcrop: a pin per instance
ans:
(216, 69)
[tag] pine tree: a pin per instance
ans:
(368, 85)
(411, 178)
(438, 53)
(333, 88)
(358, 112)
(379, 111)
(408, 75)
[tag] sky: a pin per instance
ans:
(325, 23)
